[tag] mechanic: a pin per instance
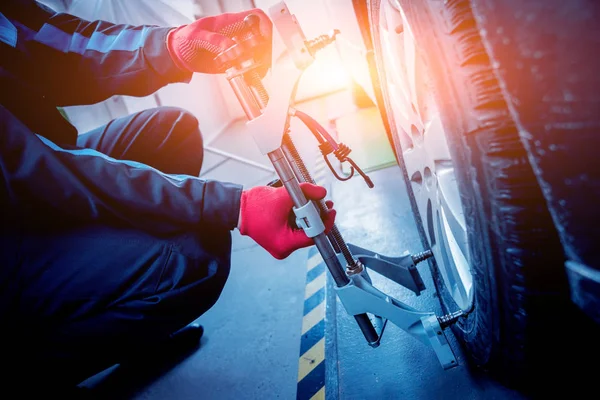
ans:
(110, 241)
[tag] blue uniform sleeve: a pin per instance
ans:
(83, 62)
(47, 184)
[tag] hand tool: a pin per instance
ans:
(269, 114)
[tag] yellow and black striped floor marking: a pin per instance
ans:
(311, 365)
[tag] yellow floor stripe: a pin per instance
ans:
(313, 317)
(309, 360)
(314, 261)
(320, 395)
(314, 286)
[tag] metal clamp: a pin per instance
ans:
(401, 270)
(359, 297)
(308, 218)
(268, 113)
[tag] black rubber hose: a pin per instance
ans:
(340, 150)
(316, 128)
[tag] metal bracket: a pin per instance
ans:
(281, 82)
(291, 34)
(401, 270)
(268, 122)
(359, 297)
(308, 218)
(268, 128)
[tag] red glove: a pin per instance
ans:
(193, 47)
(266, 215)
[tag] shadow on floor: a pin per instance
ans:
(128, 380)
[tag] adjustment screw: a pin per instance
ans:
(422, 256)
(449, 319)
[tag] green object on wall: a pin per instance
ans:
(364, 132)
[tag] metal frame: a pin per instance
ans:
(360, 296)
(268, 123)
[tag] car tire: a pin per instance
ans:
(520, 287)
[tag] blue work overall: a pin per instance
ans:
(109, 240)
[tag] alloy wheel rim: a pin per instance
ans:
(425, 153)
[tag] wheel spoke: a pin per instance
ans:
(398, 80)
(459, 276)
(402, 118)
(435, 142)
(449, 198)
(410, 62)
(413, 160)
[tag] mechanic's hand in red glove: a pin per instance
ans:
(266, 214)
(194, 46)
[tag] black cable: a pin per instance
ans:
(339, 178)
(317, 129)
(368, 180)
(327, 149)
(328, 145)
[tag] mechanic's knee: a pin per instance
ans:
(182, 136)
(184, 125)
